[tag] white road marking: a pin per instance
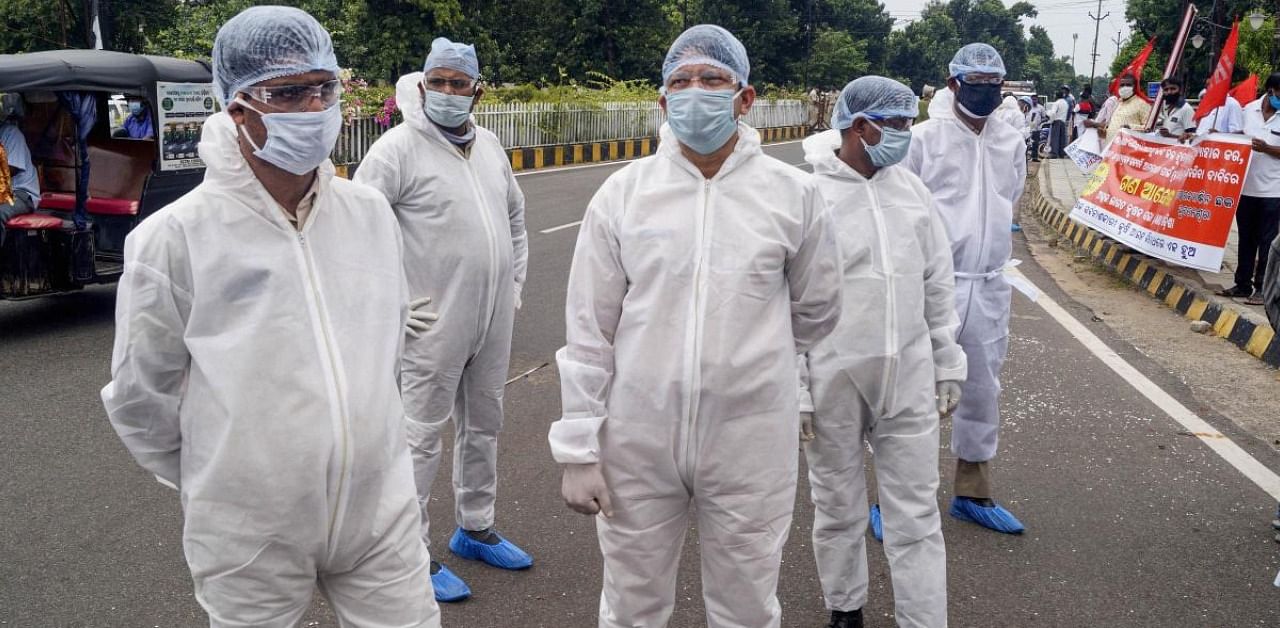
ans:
(616, 162)
(1259, 474)
(564, 226)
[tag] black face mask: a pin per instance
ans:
(1173, 99)
(978, 100)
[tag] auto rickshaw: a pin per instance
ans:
(100, 171)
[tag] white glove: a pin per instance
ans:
(948, 397)
(584, 490)
(806, 427)
(419, 321)
(519, 302)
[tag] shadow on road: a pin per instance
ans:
(20, 320)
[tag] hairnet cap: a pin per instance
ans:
(454, 56)
(874, 96)
(266, 42)
(977, 58)
(710, 45)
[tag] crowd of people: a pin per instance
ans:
(721, 304)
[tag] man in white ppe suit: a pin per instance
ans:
(462, 214)
(975, 171)
(875, 377)
(255, 364)
(699, 274)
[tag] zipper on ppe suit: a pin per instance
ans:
(891, 303)
(492, 233)
(693, 335)
(331, 361)
(982, 237)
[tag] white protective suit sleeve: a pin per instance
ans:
(813, 312)
(597, 285)
(149, 367)
(519, 237)
(940, 304)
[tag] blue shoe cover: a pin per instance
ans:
(504, 555)
(448, 586)
(993, 518)
(1016, 227)
(877, 526)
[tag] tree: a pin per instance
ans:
(836, 59)
(920, 53)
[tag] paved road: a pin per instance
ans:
(1130, 523)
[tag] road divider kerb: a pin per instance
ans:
(538, 157)
(1228, 320)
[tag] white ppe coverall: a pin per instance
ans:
(255, 368)
(1009, 113)
(976, 180)
(689, 299)
(466, 248)
(874, 378)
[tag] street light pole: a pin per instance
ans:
(1074, 37)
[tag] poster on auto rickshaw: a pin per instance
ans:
(182, 109)
(1172, 201)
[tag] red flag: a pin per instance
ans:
(1247, 91)
(1215, 95)
(1135, 68)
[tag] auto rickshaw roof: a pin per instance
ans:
(95, 70)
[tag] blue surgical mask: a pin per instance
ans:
(297, 142)
(135, 108)
(978, 101)
(891, 149)
(1275, 101)
(447, 110)
(702, 119)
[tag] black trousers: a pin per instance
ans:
(1258, 221)
(1058, 139)
(21, 205)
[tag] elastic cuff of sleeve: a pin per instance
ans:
(576, 441)
(951, 374)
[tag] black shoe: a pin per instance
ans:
(842, 619)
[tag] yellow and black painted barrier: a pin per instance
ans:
(593, 152)
(1186, 297)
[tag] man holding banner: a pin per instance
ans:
(1258, 215)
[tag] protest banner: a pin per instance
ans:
(1172, 201)
(1086, 151)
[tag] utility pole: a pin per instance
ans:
(1097, 26)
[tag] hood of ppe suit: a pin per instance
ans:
(942, 104)
(409, 101)
(976, 180)
(896, 335)
(464, 237)
(255, 367)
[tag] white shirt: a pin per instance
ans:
(1263, 177)
(1178, 121)
(1229, 118)
(1058, 110)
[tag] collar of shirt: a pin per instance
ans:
(298, 217)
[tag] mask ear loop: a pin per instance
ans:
(240, 130)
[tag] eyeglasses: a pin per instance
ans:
(896, 123)
(707, 80)
(987, 79)
(437, 84)
(297, 97)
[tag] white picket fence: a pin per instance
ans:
(522, 125)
